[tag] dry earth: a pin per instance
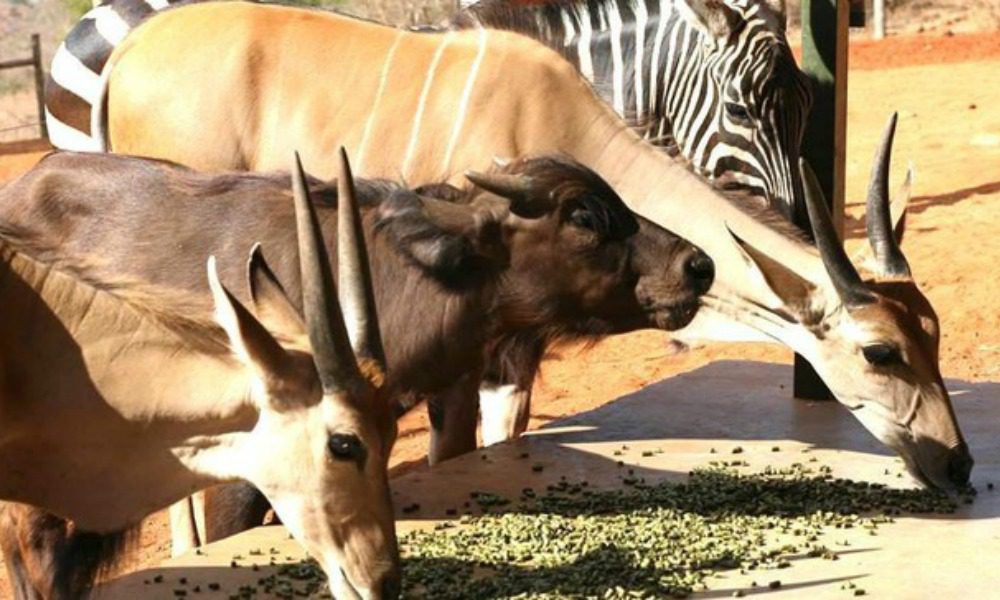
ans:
(945, 89)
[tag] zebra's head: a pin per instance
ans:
(761, 99)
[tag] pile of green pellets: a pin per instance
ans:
(568, 541)
(654, 541)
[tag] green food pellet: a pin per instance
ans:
(774, 584)
(859, 592)
(738, 450)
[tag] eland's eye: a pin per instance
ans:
(882, 355)
(738, 112)
(346, 446)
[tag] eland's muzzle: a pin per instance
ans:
(960, 465)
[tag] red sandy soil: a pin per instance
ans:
(945, 89)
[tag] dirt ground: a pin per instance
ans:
(945, 89)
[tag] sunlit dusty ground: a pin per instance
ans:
(950, 130)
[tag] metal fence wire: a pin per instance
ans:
(22, 81)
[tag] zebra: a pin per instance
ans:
(76, 83)
(714, 81)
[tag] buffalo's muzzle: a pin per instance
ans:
(700, 271)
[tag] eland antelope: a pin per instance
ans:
(427, 106)
(539, 249)
(120, 398)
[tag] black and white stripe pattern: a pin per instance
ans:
(724, 92)
(74, 90)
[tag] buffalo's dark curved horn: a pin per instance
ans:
(889, 258)
(845, 278)
(354, 280)
(503, 184)
(332, 353)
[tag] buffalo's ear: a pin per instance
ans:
(522, 191)
(454, 242)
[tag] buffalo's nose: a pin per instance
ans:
(701, 270)
(960, 465)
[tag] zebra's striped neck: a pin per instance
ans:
(709, 97)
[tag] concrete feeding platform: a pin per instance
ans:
(670, 428)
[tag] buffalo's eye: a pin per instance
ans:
(882, 355)
(583, 218)
(346, 446)
(738, 112)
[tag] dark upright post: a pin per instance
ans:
(824, 60)
(36, 58)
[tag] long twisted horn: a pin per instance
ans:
(889, 258)
(845, 278)
(332, 352)
(354, 272)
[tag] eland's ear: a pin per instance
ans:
(898, 205)
(796, 293)
(248, 339)
(714, 18)
(270, 302)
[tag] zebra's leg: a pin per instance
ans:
(454, 414)
(505, 396)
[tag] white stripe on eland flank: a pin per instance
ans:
(583, 48)
(74, 76)
(463, 105)
(65, 137)
(418, 117)
(109, 24)
(617, 68)
(359, 156)
(641, 18)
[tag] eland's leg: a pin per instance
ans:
(505, 396)
(454, 415)
(13, 558)
(35, 549)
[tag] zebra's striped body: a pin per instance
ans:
(75, 85)
(716, 83)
